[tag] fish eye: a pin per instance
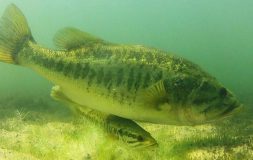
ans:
(223, 92)
(140, 138)
(120, 131)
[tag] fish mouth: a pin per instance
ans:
(235, 108)
(152, 144)
(146, 144)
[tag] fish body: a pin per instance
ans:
(130, 81)
(109, 78)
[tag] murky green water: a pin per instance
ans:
(217, 35)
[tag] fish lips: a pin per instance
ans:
(233, 109)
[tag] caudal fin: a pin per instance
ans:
(14, 33)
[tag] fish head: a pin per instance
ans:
(199, 100)
(137, 139)
(211, 101)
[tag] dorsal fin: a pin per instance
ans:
(72, 38)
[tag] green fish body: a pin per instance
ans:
(129, 81)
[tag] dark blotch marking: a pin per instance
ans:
(107, 78)
(36, 59)
(50, 63)
(158, 76)
(138, 81)
(91, 76)
(100, 75)
(120, 131)
(120, 75)
(109, 86)
(68, 69)
(141, 66)
(77, 70)
(44, 61)
(122, 98)
(85, 70)
(114, 95)
(147, 80)
(130, 80)
(59, 65)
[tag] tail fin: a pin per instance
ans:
(14, 33)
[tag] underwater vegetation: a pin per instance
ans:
(43, 129)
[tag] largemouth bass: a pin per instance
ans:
(129, 81)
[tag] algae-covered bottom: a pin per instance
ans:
(42, 129)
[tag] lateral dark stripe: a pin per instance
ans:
(43, 61)
(77, 70)
(91, 76)
(59, 65)
(158, 75)
(100, 75)
(138, 81)
(85, 70)
(109, 87)
(51, 63)
(147, 80)
(68, 69)
(107, 78)
(122, 98)
(120, 75)
(130, 80)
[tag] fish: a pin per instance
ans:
(123, 129)
(130, 81)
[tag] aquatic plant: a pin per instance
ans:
(27, 133)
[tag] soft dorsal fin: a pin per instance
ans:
(72, 38)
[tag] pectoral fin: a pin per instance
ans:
(154, 93)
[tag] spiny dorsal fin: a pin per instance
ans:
(72, 38)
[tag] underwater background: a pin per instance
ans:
(217, 35)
